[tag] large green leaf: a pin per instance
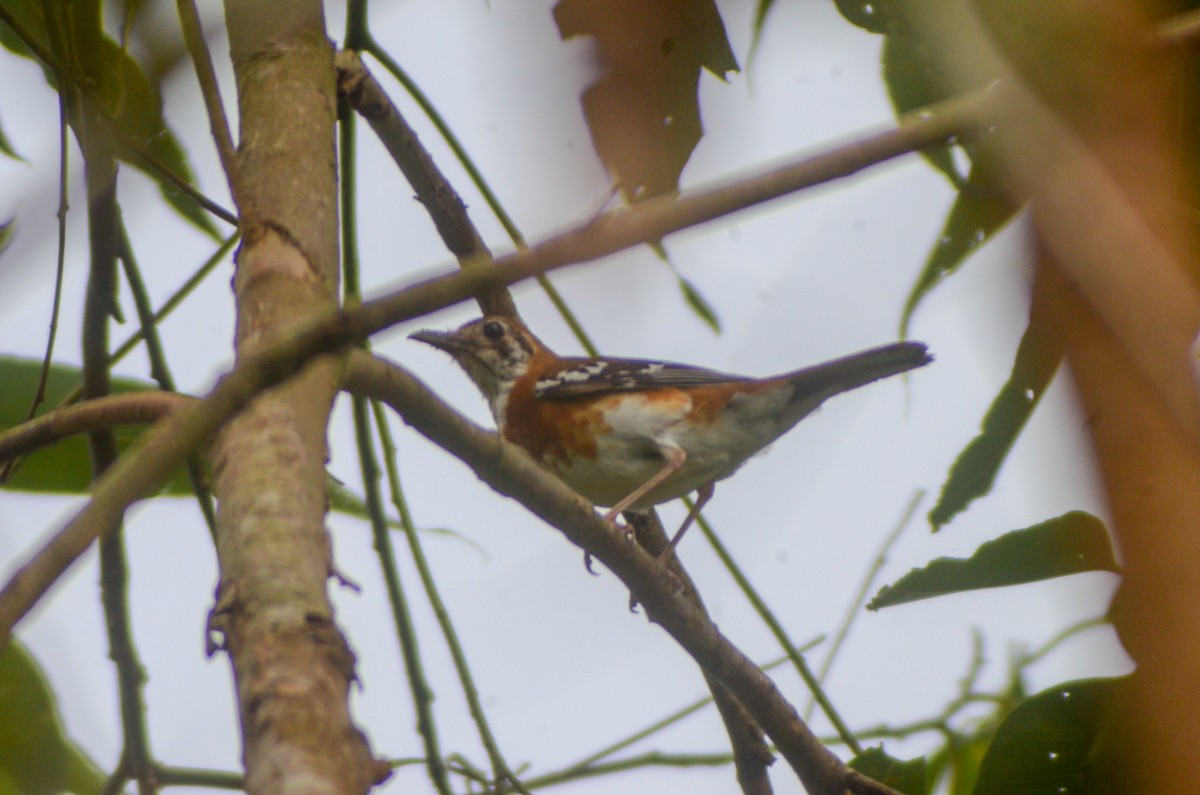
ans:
(1072, 543)
(74, 34)
(643, 113)
(65, 467)
(913, 81)
(907, 777)
(36, 757)
(975, 469)
(1055, 742)
(27, 15)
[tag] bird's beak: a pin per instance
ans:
(448, 341)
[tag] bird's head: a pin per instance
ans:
(495, 351)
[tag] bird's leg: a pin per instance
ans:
(675, 456)
(703, 495)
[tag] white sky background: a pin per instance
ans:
(563, 667)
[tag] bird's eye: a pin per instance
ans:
(493, 329)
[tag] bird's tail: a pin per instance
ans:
(830, 378)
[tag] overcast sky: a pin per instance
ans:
(563, 666)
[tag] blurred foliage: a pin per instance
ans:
(903, 776)
(1056, 742)
(36, 757)
(643, 111)
(645, 121)
(69, 42)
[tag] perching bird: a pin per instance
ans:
(630, 433)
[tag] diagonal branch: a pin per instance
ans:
(433, 190)
(128, 408)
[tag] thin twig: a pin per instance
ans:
(501, 770)
(776, 628)
(473, 173)
(160, 371)
(193, 36)
(60, 263)
(60, 259)
(433, 190)
(422, 693)
(864, 589)
(127, 408)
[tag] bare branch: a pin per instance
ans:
(193, 34)
(128, 408)
(433, 190)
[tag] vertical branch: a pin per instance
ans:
(292, 666)
(193, 35)
(104, 243)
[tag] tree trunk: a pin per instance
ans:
(292, 666)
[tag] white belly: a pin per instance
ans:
(629, 455)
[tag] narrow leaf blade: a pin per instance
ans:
(981, 209)
(974, 471)
(1069, 544)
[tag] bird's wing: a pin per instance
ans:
(593, 377)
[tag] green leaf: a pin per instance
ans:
(1055, 742)
(911, 71)
(974, 471)
(1068, 544)
(36, 757)
(643, 112)
(761, 10)
(6, 232)
(871, 15)
(65, 467)
(907, 777)
(27, 14)
(115, 82)
(7, 148)
(979, 211)
(700, 305)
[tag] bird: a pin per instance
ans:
(632, 433)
